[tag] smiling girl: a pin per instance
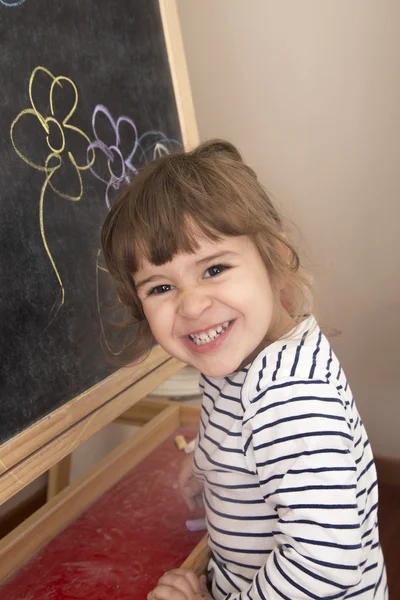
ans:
(201, 259)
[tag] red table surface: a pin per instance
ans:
(121, 545)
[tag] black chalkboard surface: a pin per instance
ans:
(86, 98)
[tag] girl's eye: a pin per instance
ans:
(160, 289)
(215, 270)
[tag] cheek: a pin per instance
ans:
(157, 317)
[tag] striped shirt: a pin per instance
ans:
(290, 485)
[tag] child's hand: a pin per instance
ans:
(190, 487)
(180, 584)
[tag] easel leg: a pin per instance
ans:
(58, 477)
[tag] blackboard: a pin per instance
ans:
(86, 98)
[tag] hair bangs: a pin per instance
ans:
(183, 206)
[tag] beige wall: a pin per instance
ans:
(310, 92)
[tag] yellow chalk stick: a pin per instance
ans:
(180, 442)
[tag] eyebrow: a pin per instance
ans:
(148, 280)
(202, 261)
(207, 259)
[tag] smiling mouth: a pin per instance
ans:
(205, 337)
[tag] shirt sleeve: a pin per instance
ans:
(299, 441)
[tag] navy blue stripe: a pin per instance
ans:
(217, 444)
(305, 488)
(243, 486)
(224, 429)
(233, 383)
(244, 534)
(314, 362)
(314, 506)
(324, 563)
(303, 453)
(278, 362)
(328, 364)
(339, 372)
(225, 574)
(259, 590)
(263, 409)
(237, 518)
(302, 436)
(281, 594)
(207, 395)
(324, 525)
(312, 573)
(247, 444)
(369, 465)
(264, 482)
(370, 567)
(211, 383)
(225, 412)
(326, 544)
(237, 500)
(260, 551)
(362, 591)
(297, 418)
(224, 468)
(228, 397)
(221, 395)
(279, 386)
(366, 533)
(296, 359)
(320, 470)
(216, 554)
(223, 592)
(260, 373)
(373, 507)
(301, 588)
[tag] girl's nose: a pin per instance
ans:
(193, 303)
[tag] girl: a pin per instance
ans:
(202, 261)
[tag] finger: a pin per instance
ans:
(199, 501)
(190, 494)
(191, 577)
(181, 580)
(165, 592)
(189, 501)
(203, 583)
(193, 580)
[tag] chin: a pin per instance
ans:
(218, 370)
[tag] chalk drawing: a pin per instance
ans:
(59, 155)
(119, 167)
(11, 4)
(116, 346)
(154, 144)
(117, 160)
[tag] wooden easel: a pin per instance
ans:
(158, 419)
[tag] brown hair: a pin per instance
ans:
(211, 187)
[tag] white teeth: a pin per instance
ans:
(206, 337)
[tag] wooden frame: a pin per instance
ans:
(160, 418)
(41, 446)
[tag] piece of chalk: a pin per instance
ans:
(190, 446)
(180, 442)
(196, 525)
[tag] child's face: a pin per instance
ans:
(212, 309)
